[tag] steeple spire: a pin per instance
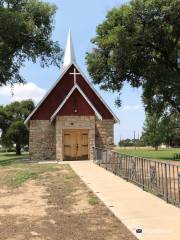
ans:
(69, 55)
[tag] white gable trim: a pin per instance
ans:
(67, 97)
(57, 81)
(48, 92)
(98, 95)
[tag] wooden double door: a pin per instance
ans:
(75, 144)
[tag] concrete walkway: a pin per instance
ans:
(134, 207)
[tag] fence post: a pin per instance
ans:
(99, 156)
(127, 177)
(166, 179)
(94, 157)
(142, 167)
(178, 174)
(115, 163)
(106, 157)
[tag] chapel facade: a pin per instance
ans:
(71, 119)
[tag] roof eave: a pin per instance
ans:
(116, 119)
(48, 92)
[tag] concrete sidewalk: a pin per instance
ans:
(133, 206)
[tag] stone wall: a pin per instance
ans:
(104, 133)
(74, 122)
(42, 142)
(45, 139)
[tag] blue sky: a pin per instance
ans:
(81, 17)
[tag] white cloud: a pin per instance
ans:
(21, 92)
(133, 108)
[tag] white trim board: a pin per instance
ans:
(68, 96)
(57, 81)
(98, 95)
(47, 93)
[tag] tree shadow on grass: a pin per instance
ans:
(168, 158)
(11, 161)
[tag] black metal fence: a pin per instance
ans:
(159, 178)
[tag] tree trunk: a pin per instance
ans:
(18, 149)
(156, 148)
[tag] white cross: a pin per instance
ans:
(75, 73)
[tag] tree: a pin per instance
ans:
(131, 143)
(12, 119)
(138, 43)
(126, 143)
(18, 134)
(155, 130)
(25, 34)
(173, 132)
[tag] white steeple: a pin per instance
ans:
(69, 55)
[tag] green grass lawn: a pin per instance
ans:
(7, 158)
(162, 154)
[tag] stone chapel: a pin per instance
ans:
(71, 119)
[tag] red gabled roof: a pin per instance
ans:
(49, 104)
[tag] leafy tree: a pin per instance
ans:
(137, 43)
(173, 131)
(12, 118)
(126, 142)
(18, 134)
(155, 130)
(131, 142)
(25, 34)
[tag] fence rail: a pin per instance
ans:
(159, 178)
